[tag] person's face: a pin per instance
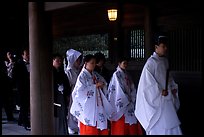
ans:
(25, 55)
(101, 63)
(77, 63)
(8, 55)
(123, 64)
(161, 49)
(57, 62)
(90, 65)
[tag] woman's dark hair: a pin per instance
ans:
(121, 59)
(99, 56)
(24, 49)
(88, 57)
(54, 56)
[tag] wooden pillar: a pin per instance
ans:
(113, 42)
(149, 48)
(114, 36)
(41, 94)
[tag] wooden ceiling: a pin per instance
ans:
(91, 17)
(57, 5)
(76, 18)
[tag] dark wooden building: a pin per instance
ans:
(131, 35)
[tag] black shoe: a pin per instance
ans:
(27, 128)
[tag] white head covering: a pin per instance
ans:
(72, 55)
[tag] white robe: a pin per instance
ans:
(156, 113)
(90, 104)
(122, 94)
(72, 74)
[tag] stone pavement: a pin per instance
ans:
(12, 128)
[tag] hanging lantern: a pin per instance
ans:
(112, 14)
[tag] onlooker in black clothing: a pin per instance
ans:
(10, 62)
(5, 93)
(62, 92)
(22, 76)
(100, 66)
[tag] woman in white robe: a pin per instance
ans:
(122, 94)
(72, 71)
(156, 102)
(90, 105)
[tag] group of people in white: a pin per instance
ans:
(117, 107)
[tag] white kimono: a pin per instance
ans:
(122, 94)
(72, 74)
(156, 113)
(90, 105)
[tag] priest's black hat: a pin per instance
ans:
(160, 38)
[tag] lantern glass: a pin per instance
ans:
(112, 14)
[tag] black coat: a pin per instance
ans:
(4, 80)
(3, 73)
(21, 77)
(60, 78)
